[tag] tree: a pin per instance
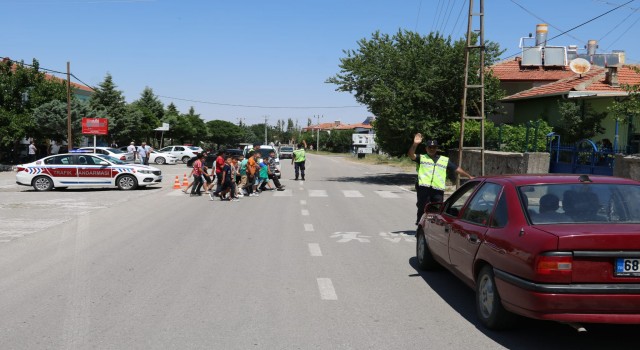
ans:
(22, 88)
(579, 121)
(225, 133)
(51, 118)
(339, 141)
(110, 100)
(412, 83)
(196, 126)
(152, 111)
(627, 108)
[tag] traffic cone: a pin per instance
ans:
(185, 181)
(176, 184)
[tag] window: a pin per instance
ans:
(59, 160)
(481, 205)
(455, 203)
(179, 149)
(501, 214)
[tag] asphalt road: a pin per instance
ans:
(327, 264)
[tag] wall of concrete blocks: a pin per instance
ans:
(499, 163)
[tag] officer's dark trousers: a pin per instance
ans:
(427, 195)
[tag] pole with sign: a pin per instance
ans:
(95, 126)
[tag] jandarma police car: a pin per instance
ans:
(85, 170)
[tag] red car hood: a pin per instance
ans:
(595, 237)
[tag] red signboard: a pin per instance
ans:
(95, 126)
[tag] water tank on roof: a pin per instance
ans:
(541, 34)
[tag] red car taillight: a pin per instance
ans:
(557, 267)
(21, 169)
(123, 158)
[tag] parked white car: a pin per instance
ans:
(184, 153)
(127, 157)
(159, 157)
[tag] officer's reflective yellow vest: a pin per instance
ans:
(432, 174)
(299, 155)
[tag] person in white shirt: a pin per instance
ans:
(132, 149)
(33, 151)
(143, 153)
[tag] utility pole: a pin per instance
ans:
(265, 130)
(69, 135)
(318, 139)
(479, 106)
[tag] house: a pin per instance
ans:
(359, 128)
(543, 75)
(598, 88)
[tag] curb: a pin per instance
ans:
(7, 167)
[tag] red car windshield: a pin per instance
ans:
(581, 203)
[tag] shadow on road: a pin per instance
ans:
(527, 333)
(380, 179)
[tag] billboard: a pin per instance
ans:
(95, 126)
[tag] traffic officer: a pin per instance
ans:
(298, 159)
(432, 173)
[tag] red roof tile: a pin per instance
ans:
(512, 71)
(593, 81)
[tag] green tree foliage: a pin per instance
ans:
(23, 88)
(627, 108)
(338, 141)
(505, 137)
(196, 126)
(110, 100)
(51, 117)
(579, 121)
(413, 83)
(224, 133)
(152, 112)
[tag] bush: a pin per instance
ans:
(507, 138)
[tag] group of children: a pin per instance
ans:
(235, 176)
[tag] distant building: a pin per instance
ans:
(360, 128)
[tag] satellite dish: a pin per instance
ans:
(579, 66)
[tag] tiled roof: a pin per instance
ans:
(510, 70)
(592, 81)
(53, 77)
(73, 85)
(333, 126)
(353, 126)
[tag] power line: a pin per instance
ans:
(450, 8)
(453, 30)
(545, 21)
(436, 16)
(617, 25)
(418, 16)
(579, 25)
(623, 33)
(256, 106)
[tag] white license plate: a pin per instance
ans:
(627, 267)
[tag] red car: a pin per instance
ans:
(550, 247)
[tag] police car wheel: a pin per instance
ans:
(185, 159)
(127, 182)
(160, 160)
(42, 183)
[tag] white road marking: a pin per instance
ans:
(350, 236)
(303, 202)
(318, 193)
(285, 193)
(352, 194)
(397, 237)
(304, 212)
(327, 292)
(386, 194)
(308, 227)
(314, 249)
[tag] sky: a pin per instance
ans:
(253, 61)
